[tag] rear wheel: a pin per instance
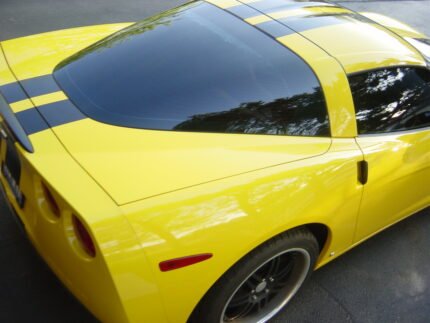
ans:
(263, 282)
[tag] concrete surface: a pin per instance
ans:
(386, 279)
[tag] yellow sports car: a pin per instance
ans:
(198, 165)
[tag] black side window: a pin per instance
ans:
(391, 99)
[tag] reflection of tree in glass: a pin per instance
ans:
(162, 19)
(391, 99)
(300, 115)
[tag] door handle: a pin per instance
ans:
(363, 171)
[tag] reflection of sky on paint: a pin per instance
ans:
(218, 211)
(423, 45)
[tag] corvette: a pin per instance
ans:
(199, 165)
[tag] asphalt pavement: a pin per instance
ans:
(385, 279)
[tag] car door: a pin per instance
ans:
(393, 119)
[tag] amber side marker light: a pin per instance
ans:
(84, 237)
(183, 262)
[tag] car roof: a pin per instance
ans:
(355, 41)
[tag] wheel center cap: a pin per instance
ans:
(260, 287)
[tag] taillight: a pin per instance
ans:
(50, 201)
(84, 237)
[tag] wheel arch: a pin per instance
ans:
(320, 231)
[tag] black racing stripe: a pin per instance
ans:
(13, 92)
(275, 29)
(243, 11)
(301, 24)
(31, 121)
(49, 115)
(60, 113)
(268, 6)
(40, 85)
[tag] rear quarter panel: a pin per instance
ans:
(230, 217)
(92, 281)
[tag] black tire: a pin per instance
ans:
(292, 253)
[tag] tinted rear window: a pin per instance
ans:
(196, 68)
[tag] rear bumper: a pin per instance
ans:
(89, 281)
(117, 285)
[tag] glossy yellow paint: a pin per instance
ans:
(37, 101)
(372, 47)
(232, 216)
(323, 9)
(93, 281)
(139, 158)
(398, 27)
(258, 19)
(248, 1)
(334, 82)
(400, 168)
(308, 11)
(21, 105)
(224, 4)
(48, 49)
(48, 98)
(6, 75)
(149, 196)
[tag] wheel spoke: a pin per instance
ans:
(251, 285)
(258, 278)
(241, 313)
(239, 301)
(248, 309)
(274, 266)
(257, 296)
(277, 287)
(282, 273)
(262, 303)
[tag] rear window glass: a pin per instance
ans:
(196, 68)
